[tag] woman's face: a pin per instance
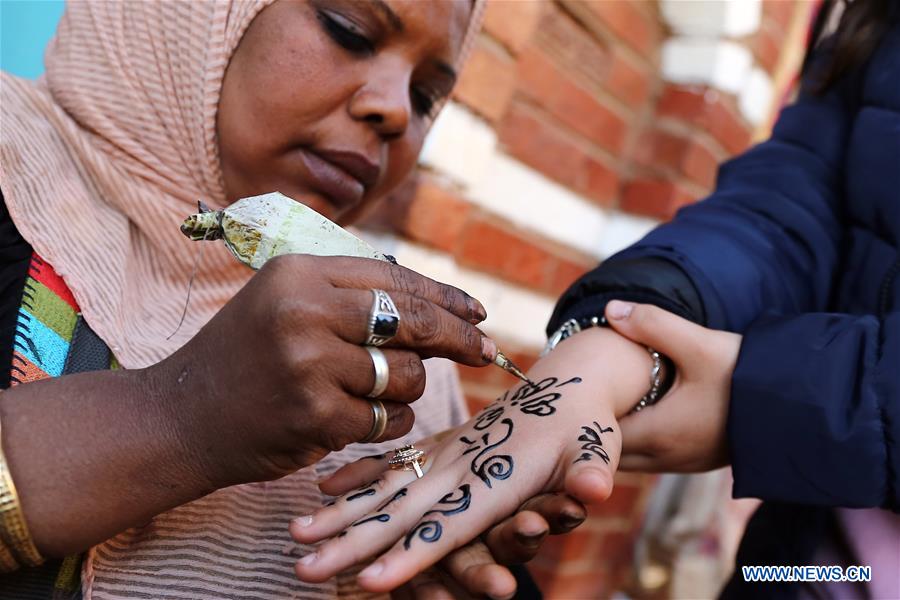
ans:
(328, 101)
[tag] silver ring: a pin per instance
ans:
(379, 422)
(384, 320)
(382, 371)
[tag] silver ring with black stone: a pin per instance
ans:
(384, 320)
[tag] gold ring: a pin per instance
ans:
(408, 458)
(379, 422)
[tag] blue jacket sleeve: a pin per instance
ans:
(815, 411)
(768, 238)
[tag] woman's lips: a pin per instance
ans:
(343, 177)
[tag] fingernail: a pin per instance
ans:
(616, 309)
(570, 520)
(530, 538)
(304, 521)
(479, 314)
(309, 559)
(488, 349)
(373, 570)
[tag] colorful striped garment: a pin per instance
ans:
(47, 322)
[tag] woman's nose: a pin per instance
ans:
(383, 103)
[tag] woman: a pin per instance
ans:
(798, 251)
(145, 108)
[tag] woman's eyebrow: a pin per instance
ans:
(388, 13)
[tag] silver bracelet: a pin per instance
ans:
(573, 326)
(570, 328)
(656, 381)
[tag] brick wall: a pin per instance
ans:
(577, 126)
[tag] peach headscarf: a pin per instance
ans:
(102, 159)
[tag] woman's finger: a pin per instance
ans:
(652, 326)
(369, 468)
(405, 373)
(361, 273)
(370, 533)
(374, 497)
(477, 572)
(447, 525)
(592, 460)
(427, 585)
(562, 512)
(351, 419)
(355, 474)
(517, 539)
(425, 327)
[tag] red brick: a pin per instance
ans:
(512, 23)
(578, 52)
(654, 198)
(435, 216)
(628, 81)
(539, 144)
(623, 18)
(549, 86)
(583, 586)
(623, 502)
(766, 47)
(485, 377)
(780, 12)
(566, 274)
(487, 82)
(495, 250)
(686, 155)
(708, 110)
(617, 547)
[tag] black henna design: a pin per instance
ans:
(374, 456)
(427, 531)
(430, 531)
(533, 400)
(400, 493)
(381, 518)
(368, 492)
(460, 504)
(593, 445)
(498, 466)
(488, 417)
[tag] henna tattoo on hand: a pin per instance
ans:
(532, 400)
(430, 531)
(593, 445)
(460, 504)
(427, 531)
(498, 466)
(362, 494)
(400, 493)
(488, 417)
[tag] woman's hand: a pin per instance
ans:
(560, 434)
(277, 379)
(685, 430)
(477, 568)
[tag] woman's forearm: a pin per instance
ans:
(95, 453)
(613, 369)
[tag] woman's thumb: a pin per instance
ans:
(591, 462)
(652, 326)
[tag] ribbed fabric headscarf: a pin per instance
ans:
(102, 159)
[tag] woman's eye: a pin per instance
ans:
(346, 34)
(422, 101)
